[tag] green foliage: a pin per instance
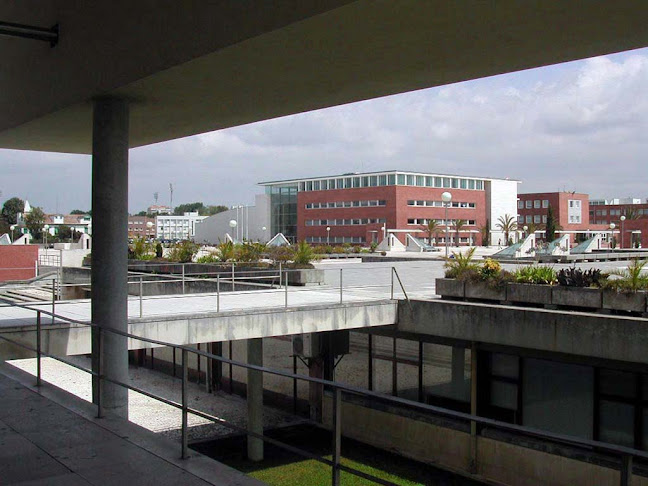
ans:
(226, 251)
(346, 247)
(631, 279)
(78, 211)
(281, 254)
(11, 208)
(249, 251)
(575, 277)
(458, 226)
(142, 249)
(213, 257)
(431, 228)
(211, 210)
(373, 246)
(183, 251)
(34, 222)
(66, 233)
(460, 263)
(159, 251)
(507, 224)
(551, 226)
(535, 274)
(489, 269)
(200, 208)
(303, 253)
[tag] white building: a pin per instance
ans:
(177, 227)
(252, 223)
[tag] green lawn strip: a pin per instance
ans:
(314, 473)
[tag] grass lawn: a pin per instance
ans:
(283, 468)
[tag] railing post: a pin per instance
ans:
(392, 283)
(185, 376)
(337, 436)
(183, 279)
(100, 413)
(626, 471)
(141, 291)
(53, 298)
(38, 348)
(340, 285)
(233, 276)
(286, 287)
(218, 292)
(279, 274)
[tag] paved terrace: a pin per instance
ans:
(49, 440)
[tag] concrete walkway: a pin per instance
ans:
(42, 442)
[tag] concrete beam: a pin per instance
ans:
(255, 399)
(576, 333)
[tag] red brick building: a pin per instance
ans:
(138, 227)
(18, 262)
(571, 210)
(360, 208)
(635, 226)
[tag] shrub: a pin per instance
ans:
(142, 249)
(249, 251)
(460, 263)
(629, 280)
(159, 251)
(535, 274)
(490, 269)
(211, 258)
(280, 254)
(183, 251)
(303, 253)
(373, 246)
(575, 277)
(226, 251)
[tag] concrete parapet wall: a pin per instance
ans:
(578, 333)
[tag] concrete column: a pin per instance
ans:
(255, 399)
(458, 365)
(110, 243)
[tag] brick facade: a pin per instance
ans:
(18, 262)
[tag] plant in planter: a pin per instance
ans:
(183, 252)
(631, 279)
(575, 277)
(460, 264)
(226, 251)
(535, 274)
(303, 254)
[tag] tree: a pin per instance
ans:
(188, 208)
(485, 233)
(67, 233)
(459, 224)
(431, 228)
(550, 228)
(211, 210)
(631, 213)
(78, 211)
(34, 222)
(11, 208)
(506, 224)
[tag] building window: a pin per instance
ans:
(528, 218)
(529, 204)
(536, 204)
(545, 203)
(536, 218)
(520, 204)
(392, 179)
(411, 181)
(401, 179)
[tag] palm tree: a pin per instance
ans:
(507, 224)
(431, 228)
(459, 224)
(631, 213)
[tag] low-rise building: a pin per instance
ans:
(177, 227)
(155, 209)
(141, 227)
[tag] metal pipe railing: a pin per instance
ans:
(625, 454)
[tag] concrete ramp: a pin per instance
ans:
(593, 243)
(5, 240)
(391, 243)
(418, 245)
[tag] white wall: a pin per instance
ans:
(252, 218)
(501, 199)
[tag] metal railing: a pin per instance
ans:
(625, 455)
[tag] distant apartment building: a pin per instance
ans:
(362, 207)
(177, 227)
(141, 227)
(159, 210)
(81, 223)
(629, 215)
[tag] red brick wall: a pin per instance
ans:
(18, 262)
(396, 211)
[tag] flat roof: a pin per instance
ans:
(381, 172)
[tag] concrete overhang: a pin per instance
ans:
(192, 67)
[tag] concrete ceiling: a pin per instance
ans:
(192, 67)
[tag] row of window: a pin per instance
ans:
(346, 204)
(425, 221)
(335, 239)
(537, 203)
(574, 219)
(344, 222)
(532, 219)
(391, 180)
(617, 212)
(439, 204)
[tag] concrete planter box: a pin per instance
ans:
(450, 287)
(482, 291)
(312, 276)
(530, 293)
(624, 301)
(576, 297)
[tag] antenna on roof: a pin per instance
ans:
(171, 190)
(155, 196)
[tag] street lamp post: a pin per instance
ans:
(525, 228)
(446, 197)
(328, 234)
(12, 228)
(622, 218)
(46, 230)
(612, 226)
(233, 224)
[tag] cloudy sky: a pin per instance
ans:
(579, 126)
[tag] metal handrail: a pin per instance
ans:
(626, 454)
